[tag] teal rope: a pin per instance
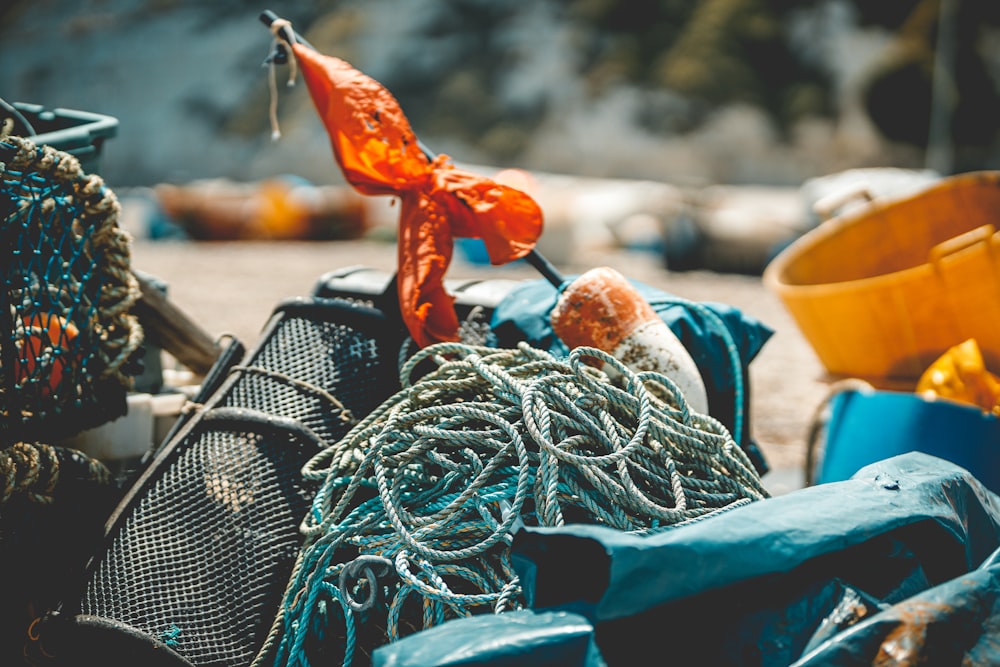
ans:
(436, 480)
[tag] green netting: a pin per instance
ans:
(66, 331)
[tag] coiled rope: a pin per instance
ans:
(33, 471)
(418, 503)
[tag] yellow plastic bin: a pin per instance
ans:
(880, 293)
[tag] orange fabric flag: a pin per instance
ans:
(379, 155)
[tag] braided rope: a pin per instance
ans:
(69, 262)
(436, 480)
(32, 470)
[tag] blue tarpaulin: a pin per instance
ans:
(897, 564)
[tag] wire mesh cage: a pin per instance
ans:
(199, 551)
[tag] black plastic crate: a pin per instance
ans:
(475, 300)
(79, 133)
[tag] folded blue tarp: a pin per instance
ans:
(896, 563)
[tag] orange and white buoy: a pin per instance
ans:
(602, 309)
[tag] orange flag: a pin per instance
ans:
(379, 155)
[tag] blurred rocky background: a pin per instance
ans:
(681, 91)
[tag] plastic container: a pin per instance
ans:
(866, 426)
(883, 291)
(79, 133)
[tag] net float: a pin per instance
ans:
(43, 352)
(602, 309)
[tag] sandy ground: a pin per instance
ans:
(232, 288)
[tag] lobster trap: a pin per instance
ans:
(67, 333)
(197, 554)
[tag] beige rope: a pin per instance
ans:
(279, 38)
(32, 471)
(345, 413)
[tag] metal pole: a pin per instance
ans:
(940, 153)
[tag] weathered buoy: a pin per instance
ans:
(602, 309)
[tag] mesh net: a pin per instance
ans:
(201, 548)
(323, 374)
(66, 331)
(238, 483)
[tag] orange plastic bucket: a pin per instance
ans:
(880, 293)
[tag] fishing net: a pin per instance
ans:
(67, 333)
(415, 515)
(198, 552)
(205, 563)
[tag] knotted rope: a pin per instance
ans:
(282, 34)
(418, 503)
